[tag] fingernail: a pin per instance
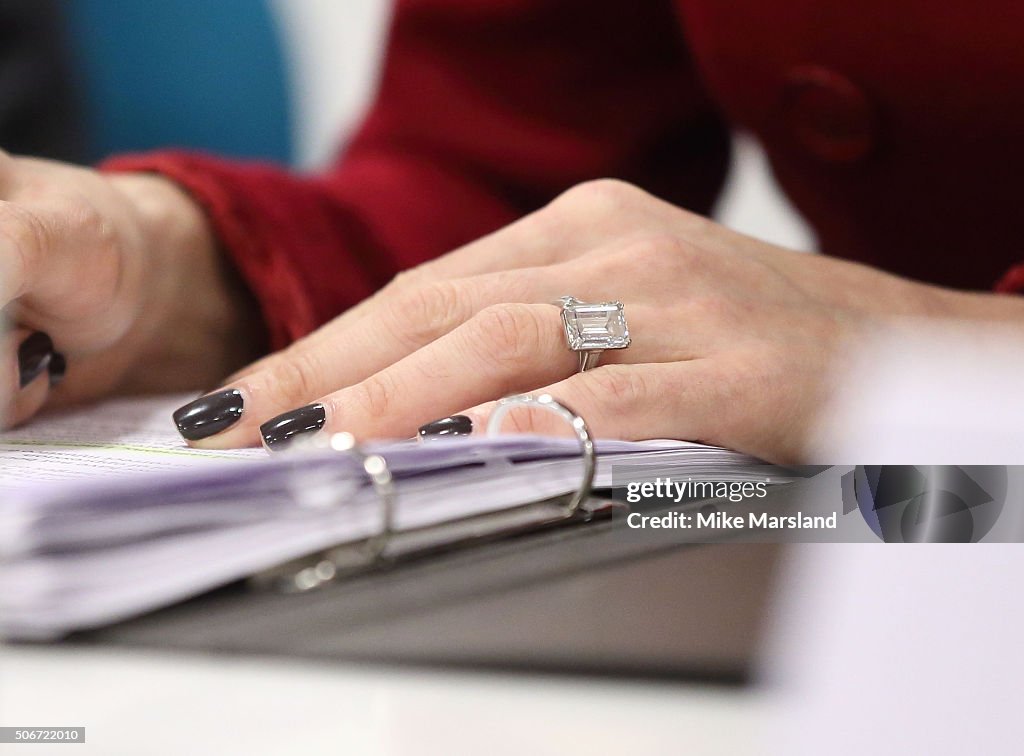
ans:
(58, 369)
(455, 425)
(209, 415)
(34, 357)
(279, 432)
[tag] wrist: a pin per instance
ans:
(173, 231)
(197, 322)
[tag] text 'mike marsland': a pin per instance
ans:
(725, 521)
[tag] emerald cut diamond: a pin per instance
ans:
(594, 326)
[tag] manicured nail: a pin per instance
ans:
(279, 432)
(209, 415)
(456, 425)
(58, 369)
(34, 357)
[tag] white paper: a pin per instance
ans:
(105, 514)
(116, 438)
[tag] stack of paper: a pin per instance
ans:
(105, 514)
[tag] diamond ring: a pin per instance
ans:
(592, 327)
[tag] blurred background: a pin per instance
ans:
(284, 80)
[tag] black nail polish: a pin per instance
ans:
(279, 432)
(456, 425)
(34, 357)
(209, 415)
(58, 369)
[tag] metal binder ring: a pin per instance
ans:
(306, 573)
(577, 423)
(376, 467)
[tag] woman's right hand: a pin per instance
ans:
(122, 274)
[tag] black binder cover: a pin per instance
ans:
(578, 600)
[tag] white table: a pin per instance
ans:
(134, 702)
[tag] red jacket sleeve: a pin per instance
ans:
(485, 111)
(1012, 281)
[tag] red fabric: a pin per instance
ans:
(894, 126)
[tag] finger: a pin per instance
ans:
(232, 417)
(47, 249)
(18, 251)
(506, 348)
(346, 353)
(678, 400)
(25, 384)
(418, 314)
(530, 242)
(602, 213)
(518, 248)
(29, 242)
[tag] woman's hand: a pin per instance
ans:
(113, 278)
(731, 337)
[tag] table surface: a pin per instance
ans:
(133, 701)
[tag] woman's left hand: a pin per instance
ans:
(732, 338)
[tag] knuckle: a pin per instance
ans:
(657, 255)
(653, 260)
(295, 378)
(509, 332)
(712, 309)
(668, 249)
(24, 235)
(525, 420)
(91, 224)
(387, 290)
(550, 234)
(599, 194)
(621, 387)
(405, 279)
(751, 384)
(608, 201)
(400, 282)
(419, 315)
(709, 307)
(377, 394)
(675, 255)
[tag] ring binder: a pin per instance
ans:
(389, 545)
(376, 467)
(576, 422)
